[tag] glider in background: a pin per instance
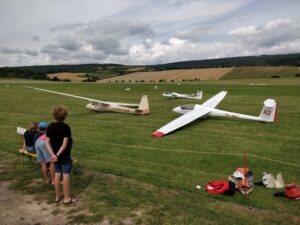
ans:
(193, 112)
(102, 106)
(177, 95)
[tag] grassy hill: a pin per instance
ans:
(261, 72)
(95, 72)
(263, 60)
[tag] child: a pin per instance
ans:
(43, 155)
(59, 143)
(28, 137)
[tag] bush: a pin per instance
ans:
(55, 79)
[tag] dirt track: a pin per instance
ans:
(21, 209)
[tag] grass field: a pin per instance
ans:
(126, 176)
(261, 72)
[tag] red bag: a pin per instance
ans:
(292, 191)
(217, 187)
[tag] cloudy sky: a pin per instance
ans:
(40, 32)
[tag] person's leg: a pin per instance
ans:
(52, 172)
(57, 186)
(58, 171)
(44, 171)
(66, 169)
(66, 186)
(47, 156)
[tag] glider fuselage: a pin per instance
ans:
(95, 106)
(214, 112)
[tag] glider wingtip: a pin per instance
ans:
(157, 134)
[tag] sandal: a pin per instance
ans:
(58, 200)
(71, 200)
(48, 182)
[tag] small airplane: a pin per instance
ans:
(193, 112)
(102, 106)
(177, 95)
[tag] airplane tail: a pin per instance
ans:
(199, 95)
(144, 105)
(269, 111)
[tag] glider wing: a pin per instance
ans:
(215, 100)
(181, 121)
(84, 98)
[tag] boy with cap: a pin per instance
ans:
(43, 155)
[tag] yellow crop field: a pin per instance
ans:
(171, 75)
(73, 77)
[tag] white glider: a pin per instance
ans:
(193, 112)
(102, 106)
(177, 95)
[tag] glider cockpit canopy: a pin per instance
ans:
(187, 107)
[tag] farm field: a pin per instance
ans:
(125, 176)
(261, 72)
(171, 75)
(73, 77)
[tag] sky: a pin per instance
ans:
(144, 32)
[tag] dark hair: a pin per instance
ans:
(33, 127)
(59, 113)
(42, 129)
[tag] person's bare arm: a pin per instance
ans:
(49, 147)
(63, 146)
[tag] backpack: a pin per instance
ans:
(292, 191)
(217, 187)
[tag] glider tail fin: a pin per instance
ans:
(144, 105)
(269, 111)
(199, 95)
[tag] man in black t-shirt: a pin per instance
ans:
(59, 143)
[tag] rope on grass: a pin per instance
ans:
(274, 160)
(164, 149)
(194, 152)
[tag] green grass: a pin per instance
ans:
(261, 72)
(125, 174)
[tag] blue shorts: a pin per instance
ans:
(42, 152)
(63, 166)
(30, 149)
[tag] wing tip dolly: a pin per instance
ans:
(157, 134)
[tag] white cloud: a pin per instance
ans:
(278, 23)
(145, 31)
(194, 34)
(242, 31)
(174, 50)
(268, 36)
